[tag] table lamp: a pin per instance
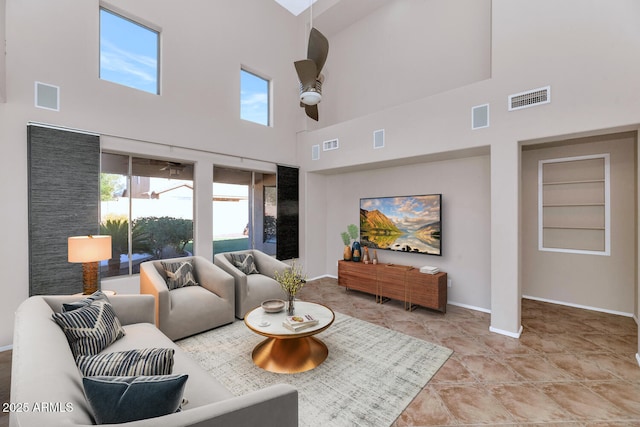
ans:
(89, 250)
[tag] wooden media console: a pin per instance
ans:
(393, 281)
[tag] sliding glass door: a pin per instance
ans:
(244, 210)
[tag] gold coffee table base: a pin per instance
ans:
(289, 355)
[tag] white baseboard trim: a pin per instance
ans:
(507, 333)
(322, 277)
(6, 348)
(585, 307)
(470, 307)
(638, 358)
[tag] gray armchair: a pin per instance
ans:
(192, 309)
(252, 289)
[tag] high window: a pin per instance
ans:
(129, 52)
(254, 98)
(147, 208)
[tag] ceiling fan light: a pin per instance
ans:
(310, 97)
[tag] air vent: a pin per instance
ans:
(332, 144)
(47, 96)
(378, 138)
(530, 98)
(480, 116)
(315, 152)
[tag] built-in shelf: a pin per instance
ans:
(573, 194)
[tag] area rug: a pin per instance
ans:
(369, 377)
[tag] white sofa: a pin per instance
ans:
(44, 371)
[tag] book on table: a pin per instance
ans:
(298, 322)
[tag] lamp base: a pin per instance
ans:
(89, 277)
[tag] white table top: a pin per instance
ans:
(270, 324)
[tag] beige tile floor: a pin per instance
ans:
(570, 368)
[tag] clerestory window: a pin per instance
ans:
(129, 52)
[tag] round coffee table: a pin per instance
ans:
(285, 351)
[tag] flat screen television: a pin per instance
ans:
(403, 223)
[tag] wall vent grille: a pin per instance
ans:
(331, 144)
(315, 152)
(480, 116)
(378, 138)
(47, 96)
(530, 98)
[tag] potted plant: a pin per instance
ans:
(291, 280)
(346, 239)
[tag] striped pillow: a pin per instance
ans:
(90, 329)
(96, 296)
(244, 263)
(179, 274)
(148, 361)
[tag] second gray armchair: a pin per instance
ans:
(188, 310)
(253, 286)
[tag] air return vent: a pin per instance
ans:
(378, 138)
(47, 96)
(315, 152)
(530, 98)
(480, 116)
(332, 144)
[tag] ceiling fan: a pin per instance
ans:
(309, 73)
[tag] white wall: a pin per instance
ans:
(579, 48)
(582, 48)
(466, 227)
(602, 282)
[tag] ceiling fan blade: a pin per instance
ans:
(312, 111)
(318, 48)
(307, 72)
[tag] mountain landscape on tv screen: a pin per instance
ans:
(411, 224)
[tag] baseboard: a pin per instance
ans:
(638, 358)
(507, 333)
(470, 307)
(6, 348)
(584, 307)
(324, 276)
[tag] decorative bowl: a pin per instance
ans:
(273, 305)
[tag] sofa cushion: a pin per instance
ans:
(90, 329)
(179, 274)
(96, 296)
(148, 361)
(244, 263)
(124, 399)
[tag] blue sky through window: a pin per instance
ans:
(254, 98)
(128, 52)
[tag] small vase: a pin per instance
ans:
(365, 255)
(290, 305)
(356, 252)
(347, 253)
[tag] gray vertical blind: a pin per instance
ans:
(64, 198)
(287, 228)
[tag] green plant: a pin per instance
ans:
(166, 231)
(292, 279)
(353, 231)
(346, 239)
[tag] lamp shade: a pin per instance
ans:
(89, 248)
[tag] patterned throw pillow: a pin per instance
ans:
(90, 329)
(96, 296)
(148, 361)
(117, 400)
(244, 263)
(179, 274)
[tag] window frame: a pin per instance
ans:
(269, 102)
(140, 23)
